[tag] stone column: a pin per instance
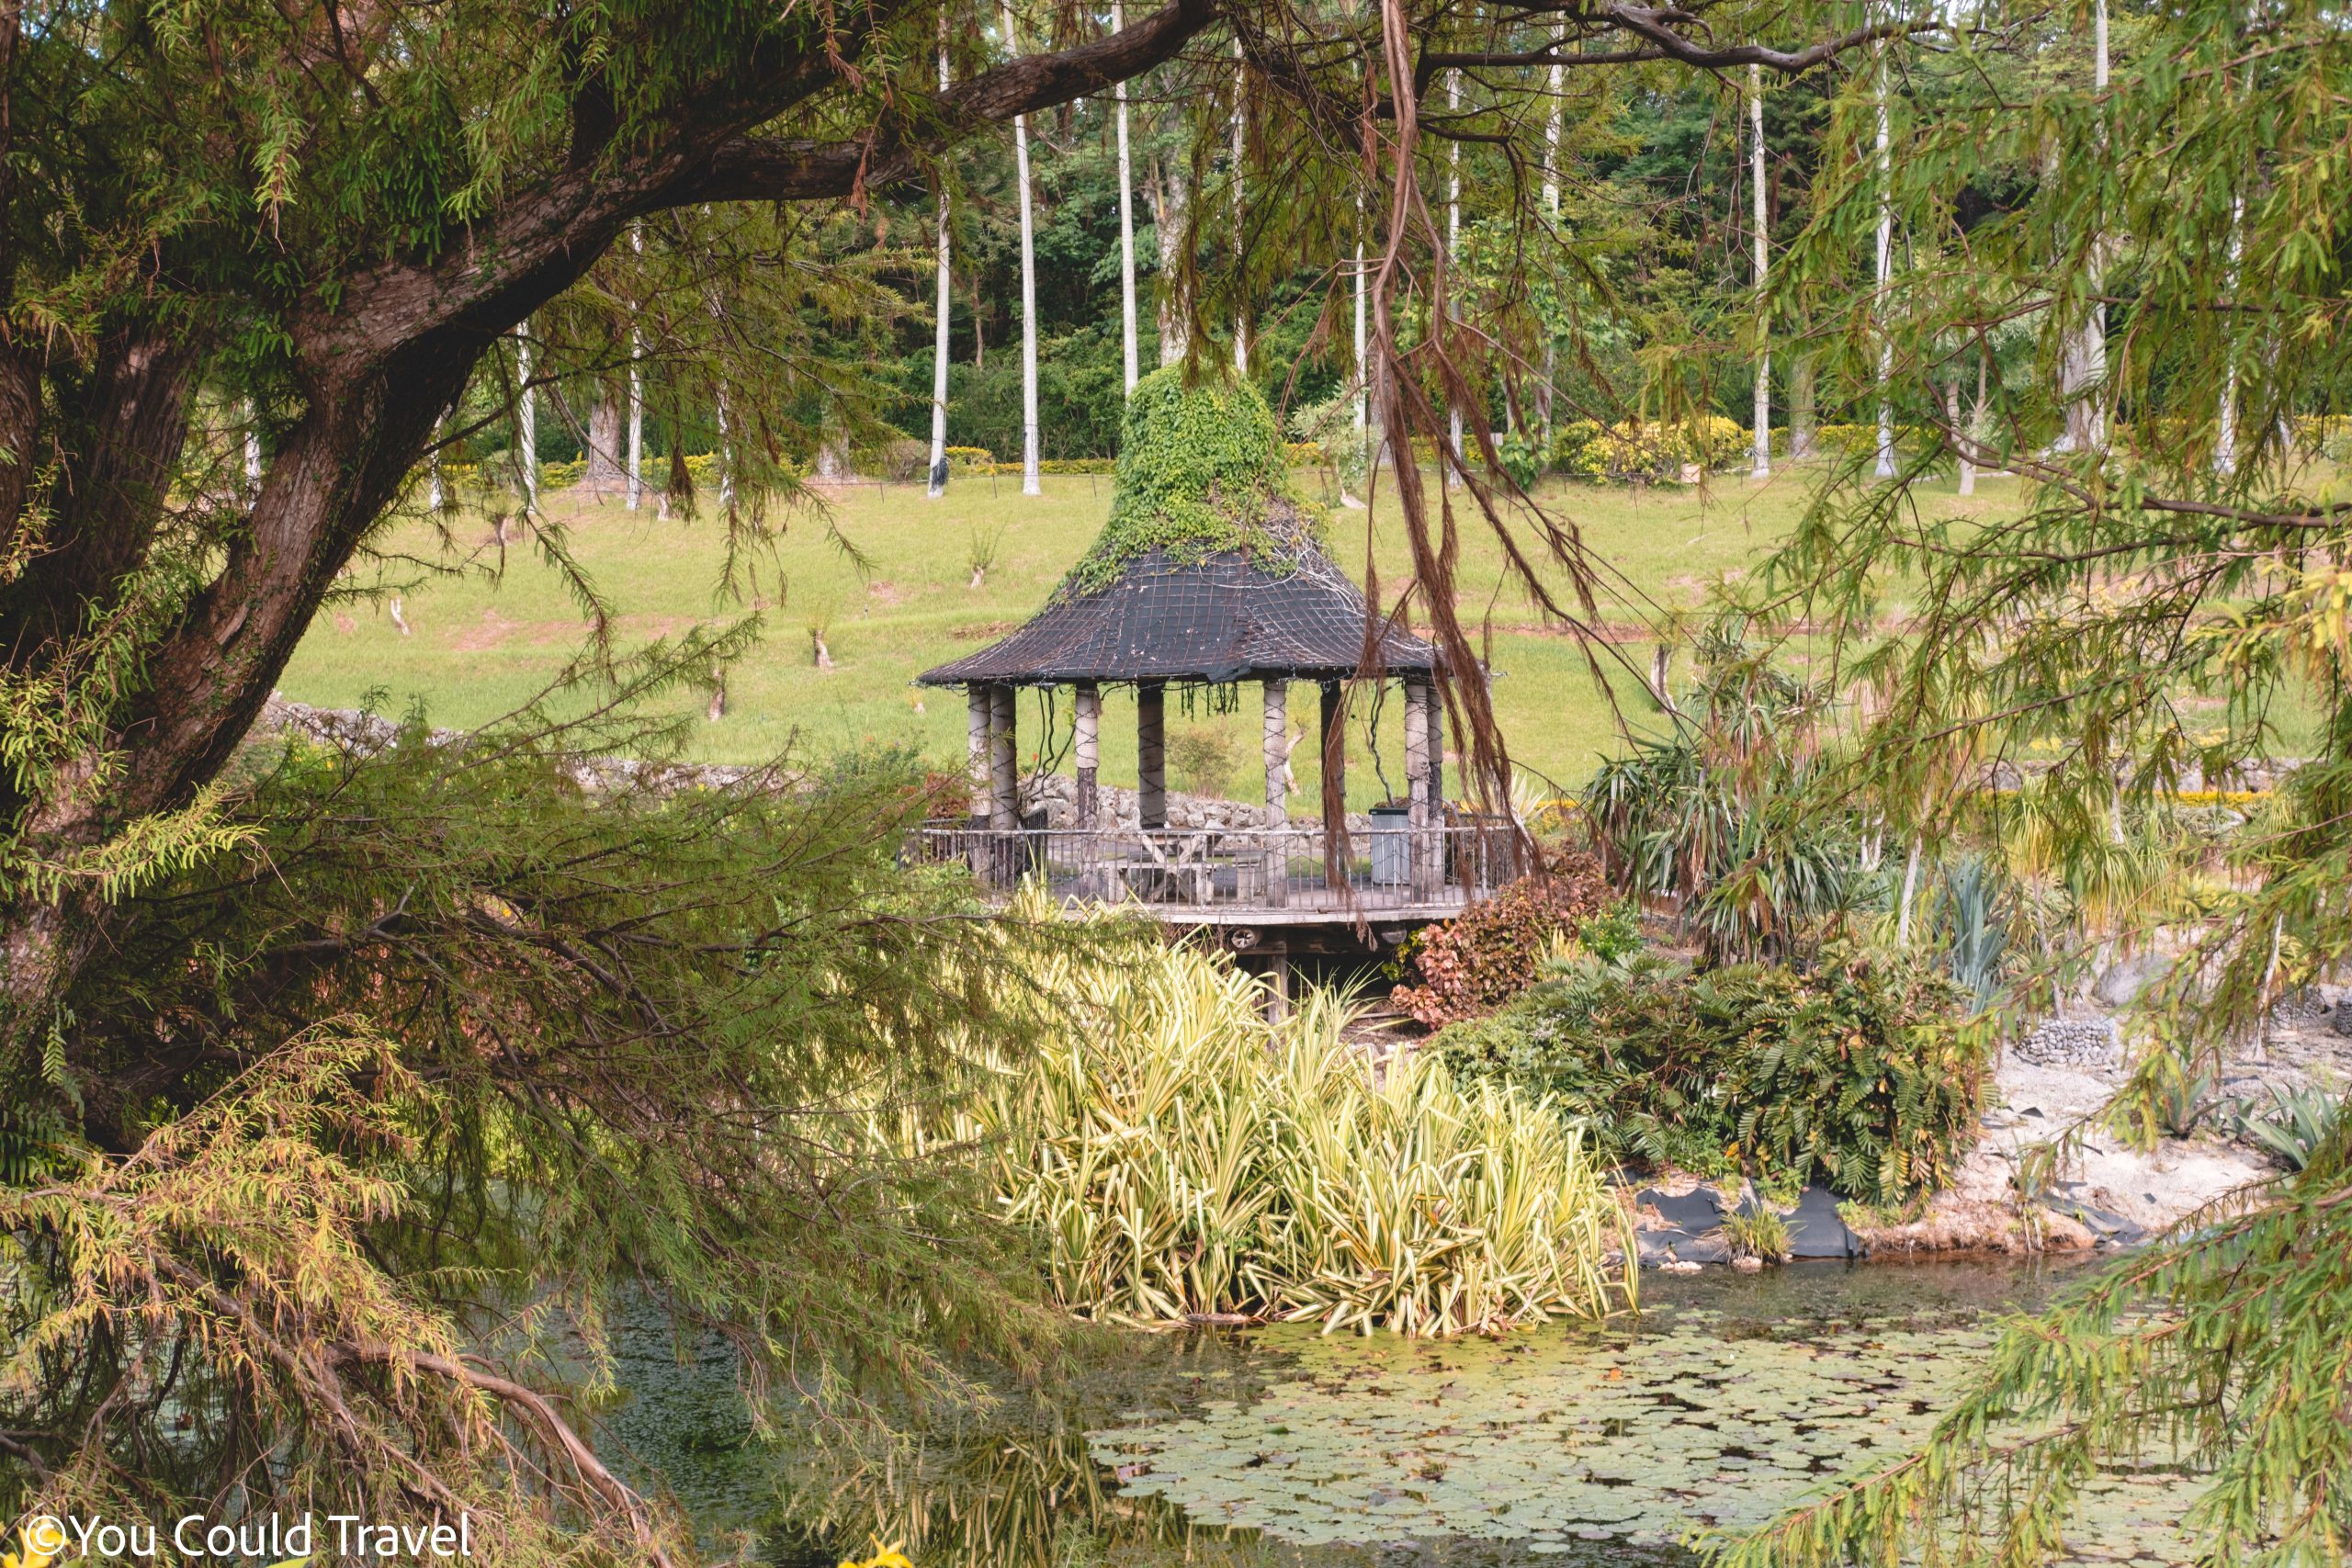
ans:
(1004, 778)
(1417, 752)
(1086, 732)
(1151, 754)
(1334, 734)
(979, 723)
(1277, 752)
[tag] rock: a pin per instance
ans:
(2125, 978)
(1708, 1248)
(2072, 1043)
(1749, 1265)
(2340, 1021)
(1672, 1266)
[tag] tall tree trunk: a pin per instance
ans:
(1453, 252)
(937, 485)
(1885, 275)
(1975, 443)
(526, 439)
(635, 386)
(1240, 221)
(2082, 367)
(1128, 347)
(1763, 411)
(603, 475)
(1029, 484)
(252, 452)
(1552, 212)
(1800, 407)
(1175, 280)
(2226, 437)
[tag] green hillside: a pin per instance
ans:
(885, 573)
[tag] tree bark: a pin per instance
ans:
(606, 474)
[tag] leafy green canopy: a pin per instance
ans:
(1856, 1068)
(1201, 469)
(386, 1111)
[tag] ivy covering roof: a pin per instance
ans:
(1209, 569)
(1202, 469)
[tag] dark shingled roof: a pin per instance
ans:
(1223, 617)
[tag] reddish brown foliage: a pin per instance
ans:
(1467, 967)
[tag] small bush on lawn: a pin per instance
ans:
(1473, 964)
(1857, 1068)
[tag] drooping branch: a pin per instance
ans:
(791, 169)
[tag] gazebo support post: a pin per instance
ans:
(980, 724)
(1151, 754)
(1004, 783)
(1335, 780)
(1086, 741)
(1416, 770)
(1277, 753)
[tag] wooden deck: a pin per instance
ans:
(1257, 877)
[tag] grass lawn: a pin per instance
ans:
(484, 639)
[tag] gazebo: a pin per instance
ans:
(1207, 575)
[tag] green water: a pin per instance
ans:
(1730, 1397)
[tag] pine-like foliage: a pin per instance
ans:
(478, 1031)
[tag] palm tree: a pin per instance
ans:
(1029, 485)
(938, 486)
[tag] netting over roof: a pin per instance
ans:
(1220, 619)
(1207, 570)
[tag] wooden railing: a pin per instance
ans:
(1232, 872)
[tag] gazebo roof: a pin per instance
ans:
(1208, 570)
(1222, 617)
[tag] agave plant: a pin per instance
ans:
(2295, 1125)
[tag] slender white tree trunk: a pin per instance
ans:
(433, 493)
(2082, 365)
(1126, 209)
(1175, 296)
(726, 457)
(1910, 885)
(252, 452)
(1029, 485)
(528, 435)
(635, 387)
(1363, 372)
(1975, 431)
(1885, 277)
(1240, 219)
(1454, 246)
(2225, 441)
(1763, 469)
(938, 476)
(1552, 212)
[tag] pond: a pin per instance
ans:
(1730, 1396)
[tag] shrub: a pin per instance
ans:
(1180, 1157)
(1476, 962)
(1857, 1067)
(1635, 450)
(1204, 757)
